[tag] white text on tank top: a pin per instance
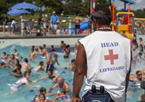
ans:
(108, 57)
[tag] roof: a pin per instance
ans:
(128, 1)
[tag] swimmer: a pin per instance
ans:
(141, 44)
(67, 51)
(16, 66)
(50, 75)
(18, 73)
(4, 65)
(48, 60)
(16, 53)
(9, 58)
(44, 47)
(54, 60)
(33, 47)
(32, 55)
(72, 65)
(4, 55)
(36, 52)
(13, 58)
(60, 95)
(40, 49)
(21, 81)
(138, 78)
(39, 67)
(42, 98)
(52, 49)
(62, 46)
(60, 84)
(25, 66)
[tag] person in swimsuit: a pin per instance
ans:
(61, 95)
(16, 66)
(26, 66)
(63, 46)
(48, 60)
(42, 98)
(77, 20)
(20, 82)
(141, 44)
(60, 84)
(67, 51)
(9, 58)
(13, 58)
(54, 60)
(39, 67)
(138, 78)
(36, 52)
(33, 47)
(4, 55)
(18, 73)
(32, 55)
(52, 49)
(50, 75)
(16, 53)
(40, 49)
(72, 65)
(23, 80)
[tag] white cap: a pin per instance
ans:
(53, 12)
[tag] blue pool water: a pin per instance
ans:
(25, 94)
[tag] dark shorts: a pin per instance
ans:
(97, 97)
(49, 66)
(77, 26)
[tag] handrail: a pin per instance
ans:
(139, 19)
(126, 13)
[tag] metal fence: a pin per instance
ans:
(27, 28)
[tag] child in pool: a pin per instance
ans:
(41, 98)
(62, 95)
(39, 67)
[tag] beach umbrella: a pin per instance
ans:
(18, 12)
(25, 5)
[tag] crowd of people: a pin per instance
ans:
(24, 68)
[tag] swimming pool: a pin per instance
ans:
(26, 94)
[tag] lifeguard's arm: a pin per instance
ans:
(79, 71)
(128, 77)
(52, 87)
(56, 76)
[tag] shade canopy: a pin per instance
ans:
(18, 12)
(128, 1)
(25, 5)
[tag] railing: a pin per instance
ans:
(24, 28)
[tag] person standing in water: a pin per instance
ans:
(48, 60)
(77, 20)
(107, 55)
(32, 55)
(60, 84)
(63, 46)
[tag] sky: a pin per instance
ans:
(139, 4)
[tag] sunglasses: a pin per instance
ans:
(139, 74)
